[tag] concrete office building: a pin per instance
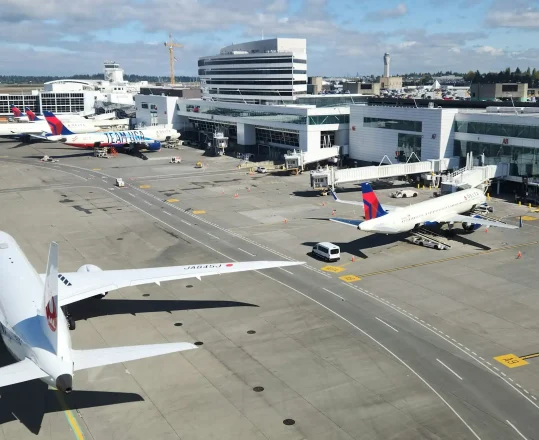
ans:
(314, 85)
(257, 72)
(361, 88)
(490, 92)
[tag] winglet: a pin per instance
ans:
(50, 299)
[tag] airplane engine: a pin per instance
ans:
(470, 227)
(154, 146)
(92, 268)
(89, 268)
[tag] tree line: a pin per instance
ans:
(529, 76)
(31, 79)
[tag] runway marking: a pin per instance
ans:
(515, 428)
(287, 271)
(96, 169)
(529, 218)
(443, 260)
(248, 253)
(145, 186)
(510, 360)
(530, 356)
(187, 223)
(69, 415)
(385, 323)
(214, 236)
(349, 278)
(199, 212)
(449, 369)
(172, 200)
(382, 346)
(333, 269)
(323, 288)
(167, 213)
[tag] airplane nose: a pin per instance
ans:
(64, 383)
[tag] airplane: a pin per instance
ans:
(17, 114)
(449, 209)
(148, 138)
(34, 324)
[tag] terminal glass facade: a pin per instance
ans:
(328, 119)
(282, 137)
(493, 129)
(393, 124)
(408, 144)
(19, 101)
(523, 161)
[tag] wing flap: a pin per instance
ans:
(87, 284)
(475, 220)
(83, 359)
(21, 371)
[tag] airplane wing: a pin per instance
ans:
(347, 222)
(99, 357)
(475, 220)
(77, 286)
(21, 371)
(44, 137)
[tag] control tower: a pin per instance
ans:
(113, 72)
(386, 65)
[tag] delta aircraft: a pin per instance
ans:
(452, 208)
(150, 138)
(35, 328)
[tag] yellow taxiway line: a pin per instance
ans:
(69, 416)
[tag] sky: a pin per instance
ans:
(344, 37)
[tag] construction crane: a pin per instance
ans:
(171, 45)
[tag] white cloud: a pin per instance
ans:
(489, 50)
(407, 44)
(383, 14)
(527, 19)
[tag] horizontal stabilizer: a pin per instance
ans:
(347, 222)
(83, 359)
(18, 372)
(348, 202)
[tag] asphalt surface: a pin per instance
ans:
(477, 399)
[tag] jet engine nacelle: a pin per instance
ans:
(154, 146)
(470, 227)
(89, 268)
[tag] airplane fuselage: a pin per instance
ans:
(38, 127)
(407, 218)
(151, 137)
(20, 323)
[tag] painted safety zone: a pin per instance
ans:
(349, 278)
(172, 200)
(529, 218)
(199, 212)
(145, 186)
(333, 269)
(510, 360)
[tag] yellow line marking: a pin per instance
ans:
(145, 186)
(199, 212)
(530, 356)
(349, 278)
(443, 260)
(96, 169)
(69, 415)
(333, 269)
(172, 200)
(511, 360)
(529, 218)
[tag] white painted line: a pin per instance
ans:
(515, 428)
(510, 379)
(167, 213)
(534, 398)
(449, 369)
(187, 223)
(474, 353)
(287, 271)
(131, 194)
(488, 363)
(248, 253)
(518, 385)
(323, 288)
(385, 323)
(211, 235)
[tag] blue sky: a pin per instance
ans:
(63, 37)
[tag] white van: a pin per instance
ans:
(327, 251)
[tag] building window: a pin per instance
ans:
(153, 107)
(509, 87)
(328, 119)
(281, 137)
(393, 124)
(503, 130)
(408, 144)
(144, 105)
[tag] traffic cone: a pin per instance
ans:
(236, 195)
(486, 229)
(519, 255)
(223, 192)
(285, 220)
(333, 212)
(353, 258)
(249, 189)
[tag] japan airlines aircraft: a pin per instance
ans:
(452, 208)
(35, 329)
(150, 138)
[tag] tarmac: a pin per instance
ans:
(394, 341)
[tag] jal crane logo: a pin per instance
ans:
(51, 313)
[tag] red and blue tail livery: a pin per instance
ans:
(56, 126)
(31, 115)
(16, 112)
(371, 205)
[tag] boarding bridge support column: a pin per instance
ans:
(498, 188)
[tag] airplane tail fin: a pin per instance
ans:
(371, 205)
(57, 127)
(50, 299)
(15, 110)
(31, 115)
(83, 359)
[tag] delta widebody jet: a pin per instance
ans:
(149, 138)
(36, 331)
(458, 207)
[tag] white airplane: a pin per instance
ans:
(35, 329)
(150, 138)
(452, 208)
